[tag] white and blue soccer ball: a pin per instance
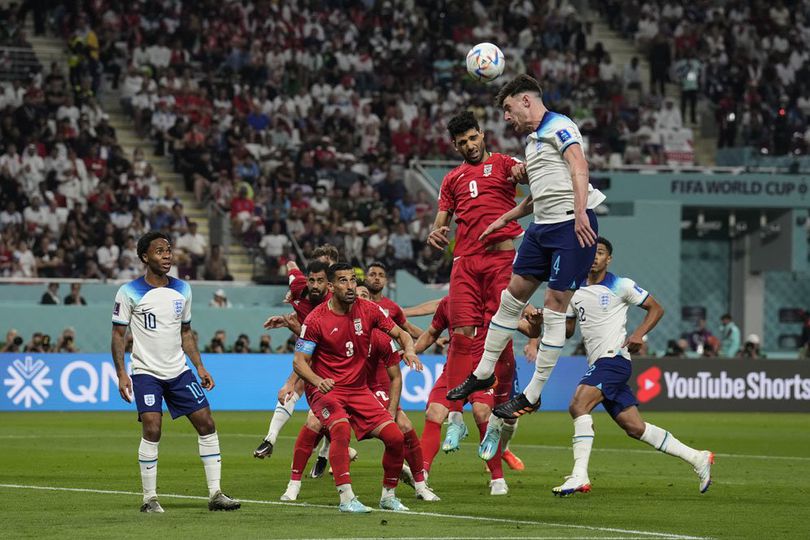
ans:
(485, 62)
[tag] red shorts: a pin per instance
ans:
(476, 283)
(382, 396)
(439, 394)
(358, 405)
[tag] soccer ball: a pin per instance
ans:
(485, 62)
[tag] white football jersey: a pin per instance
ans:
(601, 311)
(549, 177)
(154, 316)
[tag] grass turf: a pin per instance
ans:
(761, 483)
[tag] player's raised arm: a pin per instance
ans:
(578, 166)
(654, 314)
(425, 308)
(406, 343)
(519, 211)
(189, 345)
(118, 346)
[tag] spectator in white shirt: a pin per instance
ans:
(107, 256)
(35, 216)
(220, 300)
(402, 243)
(127, 270)
(26, 263)
(159, 54)
(32, 170)
(69, 111)
(194, 243)
(10, 217)
(378, 241)
(10, 162)
(669, 117)
(275, 243)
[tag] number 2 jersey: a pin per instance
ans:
(601, 311)
(154, 316)
(478, 195)
(340, 344)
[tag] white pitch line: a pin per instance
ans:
(646, 534)
(515, 445)
(478, 538)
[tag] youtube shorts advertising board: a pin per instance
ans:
(735, 384)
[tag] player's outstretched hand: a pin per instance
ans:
(285, 393)
(496, 225)
(633, 343)
(288, 297)
(326, 385)
(519, 175)
(125, 387)
(206, 380)
(582, 228)
(530, 352)
(438, 238)
(412, 361)
(276, 321)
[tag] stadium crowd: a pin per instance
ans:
(749, 60)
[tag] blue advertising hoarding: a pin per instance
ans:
(87, 382)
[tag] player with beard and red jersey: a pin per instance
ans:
(475, 192)
(376, 281)
(385, 382)
(331, 355)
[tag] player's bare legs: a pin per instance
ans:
(148, 458)
(392, 460)
(414, 459)
(208, 442)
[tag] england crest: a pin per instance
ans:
(358, 327)
(604, 301)
(178, 307)
(487, 169)
(149, 399)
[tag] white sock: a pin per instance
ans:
(501, 327)
(324, 451)
(294, 487)
(419, 486)
(665, 442)
(550, 348)
(281, 415)
(346, 493)
(455, 417)
(582, 444)
(388, 493)
(147, 459)
(212, 461)
(507, 432)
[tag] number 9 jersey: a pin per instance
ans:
(478, 195)
(154, 316)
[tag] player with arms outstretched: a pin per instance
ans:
(331, 357)
(157, 310)
(600, 306)
(558, 247)
(477, 192)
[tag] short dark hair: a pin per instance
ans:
(317, 266)
(378, 264)
(605, 242)
(326, 250)
(338, 267)
(461, 123)
(725, 316)
(146, 240)
(518, 85)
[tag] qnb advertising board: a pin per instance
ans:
(87, 382)
(722, 385)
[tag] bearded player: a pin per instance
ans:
(331, 357)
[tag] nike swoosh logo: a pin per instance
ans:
(344, 474)
(201, 400)
(577, 303)
(552, 279)
(152, 467)
(333, 331)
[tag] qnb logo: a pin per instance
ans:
(28, 383)
(649, 384)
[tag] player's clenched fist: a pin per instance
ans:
(438, 237)
(325, 385)
(519, 175)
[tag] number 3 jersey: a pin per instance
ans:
(478, 195)
(154, 316)
(340, 344)
(601, 311)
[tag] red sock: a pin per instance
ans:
(304, 444)
(494, 465)
(341, 434)
(413, 455)
(430, 442)
(392, 459)
(459, 360)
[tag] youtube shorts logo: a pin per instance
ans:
(649, 384)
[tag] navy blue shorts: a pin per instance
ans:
(183, 394)
(610, 375)
(551, 252)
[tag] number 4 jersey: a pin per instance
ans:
(154, 316)
(478, 195)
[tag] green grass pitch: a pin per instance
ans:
(761, 482)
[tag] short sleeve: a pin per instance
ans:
(446, 201)
(186, 315)
(440, 322)
(571, 312)
(379, 319)
(507, 162)
(122, 308)
(310, 335)
(632, 293)
(298, 283)
(565, 134)
(398, 316)
(392, 354)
